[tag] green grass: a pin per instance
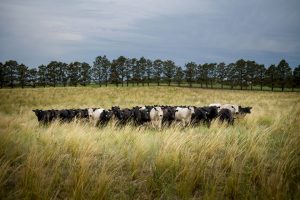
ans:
(257, 158)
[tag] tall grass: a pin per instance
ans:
(257, 158)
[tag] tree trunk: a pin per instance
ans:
(282, 87)
(157, 83)
(169, 83)
(272, 86)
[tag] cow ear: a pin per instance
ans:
(250, 108)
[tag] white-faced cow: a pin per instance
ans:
(156, 116)
(184, 114)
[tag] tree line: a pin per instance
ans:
(244, 74)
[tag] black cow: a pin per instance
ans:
(40, 114)
(46, 116)
(123, 116)
(168, 115)
(199, 115)
(226, 115)
(211, 113)
(140, 116)
(104, 118)
(243, 111)
(64, 115)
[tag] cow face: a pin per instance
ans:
(39, 114)
(246, 110)
(90, 112)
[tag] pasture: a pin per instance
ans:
(257, 158)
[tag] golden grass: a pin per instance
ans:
(258, 157)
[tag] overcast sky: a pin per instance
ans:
(36, 32)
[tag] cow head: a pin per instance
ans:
(39, 114)
(90, 112)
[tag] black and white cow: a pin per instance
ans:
(232, 107)
(226, 115)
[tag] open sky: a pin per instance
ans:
(35, 32)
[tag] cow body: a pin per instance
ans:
(232, 107)
(226, 115)
(156, 116)
(184, 114)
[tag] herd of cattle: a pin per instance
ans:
(155, 115)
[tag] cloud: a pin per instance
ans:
(36, 32)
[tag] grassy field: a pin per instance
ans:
(257, 158)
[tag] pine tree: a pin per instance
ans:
(141, 65)
(32, 77)
(190, 72)
(85, 74)
(179, 74)
(169, 71)
(121, 69)
(3, 75)
(157, 70)
(52, 71)
(22, 75)
(128, 70)
(62, 69)
(74, 71)
(42, 75)
(12, 71)
(221, 72)
(284, 73)
(149, 70)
